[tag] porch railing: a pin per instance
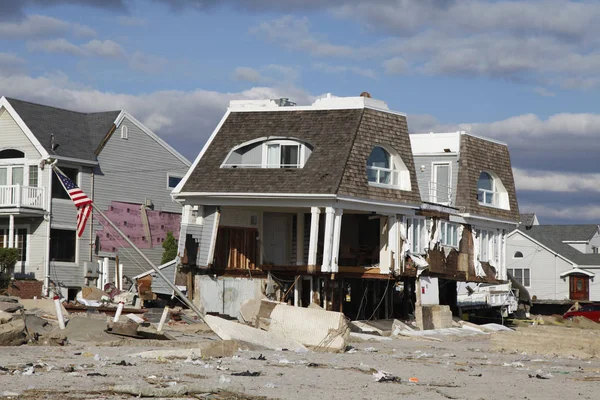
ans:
(439, 193)
(21, 196)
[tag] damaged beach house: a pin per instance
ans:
(126, 169)
(336, 204)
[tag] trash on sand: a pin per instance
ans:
(260, 358)
(224, 379)
(245, 373)
(371, 350)
(96, 374)
(382, 376)
(541, 375)
(413, 380)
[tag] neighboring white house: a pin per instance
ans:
(556, 262)
(126, 169)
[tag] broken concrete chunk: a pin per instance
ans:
(398, 326)
(323, 330)
(10, 306)
(42, 307)
(249, 311)
(214, 349)
(123, 329)
(9, 299)
(5, 317)
(228, 330)
(13, 333)
(135, 318)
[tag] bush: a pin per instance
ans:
(8, 259)
(170, 246)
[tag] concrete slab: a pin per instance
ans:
(320, 329)
(45, 306)
(228, 330)
(87, 329)
(214, 349)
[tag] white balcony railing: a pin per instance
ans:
(21, 196)
(439, 193)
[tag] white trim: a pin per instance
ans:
(124, 114)
(213, 238)
(257, 195)
(540, 244)
(493, 220)
(17, 118)
(317, 108)
(177, 190)
(576, 270)
(74, 160)
(124, 132)
(16, 228)
(172, 175)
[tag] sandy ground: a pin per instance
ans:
(475, 367)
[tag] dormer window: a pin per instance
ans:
(386, 168)
(269, 153)
(491, 191)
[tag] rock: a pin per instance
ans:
(13, 333)
(9, 299)
(10, 306)
(5, 317)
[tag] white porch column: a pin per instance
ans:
(393, 243)
(335, 245)
(314, 235)
(300, 239)
(11, 231)
(329, 220)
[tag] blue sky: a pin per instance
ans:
(524, 72)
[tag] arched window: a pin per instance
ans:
(387, 168)
(271, 152)
(491, 191)
(124, 132)
(518, 254)
(11, 153)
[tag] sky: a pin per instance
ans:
(525, 72)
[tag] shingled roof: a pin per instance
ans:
(76, 134)
(555, 236)
(342, 140)
(477, 155)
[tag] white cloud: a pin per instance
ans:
(60, 46)
(83, 31)
(542, 91)
(395, 66)
(104, 48)
(589, 213)
(147, 63)
(11, 64)
(556, 181)
(336, 69)
(33, 26)
(184, 118)
(271, 74)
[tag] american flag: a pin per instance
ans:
(82, 202)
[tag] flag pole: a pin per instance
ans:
(154, 267)
(178, 292)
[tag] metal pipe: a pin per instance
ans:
(154, 267)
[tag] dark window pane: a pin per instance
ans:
(526, 280)
(11, 153)
(379, 158)
(58, 191)
(62, 245)
(289, 156)
(174, 181)
(485, 181)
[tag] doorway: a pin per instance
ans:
(277, 238)
(579, 287)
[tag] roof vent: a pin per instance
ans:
(284, 102)
(365, 94)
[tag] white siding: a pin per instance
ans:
(12, 137)
(545, 267)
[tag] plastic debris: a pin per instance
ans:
(382, 376)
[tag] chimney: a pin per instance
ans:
(365, 94)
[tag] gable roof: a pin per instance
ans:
(342, 140)
(528, 219)
(554, 236)
(76, 135)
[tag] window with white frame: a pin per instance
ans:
(417, 234)
(283, 154)
(173, 180)
(33, 175)
(518, 254)
(20, 239)
(385, 168)
(124, 132)
(449, 234)
(491, 192)
(521, 275)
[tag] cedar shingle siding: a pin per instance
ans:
(341, 140)
(379, 128)
(477, 155)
